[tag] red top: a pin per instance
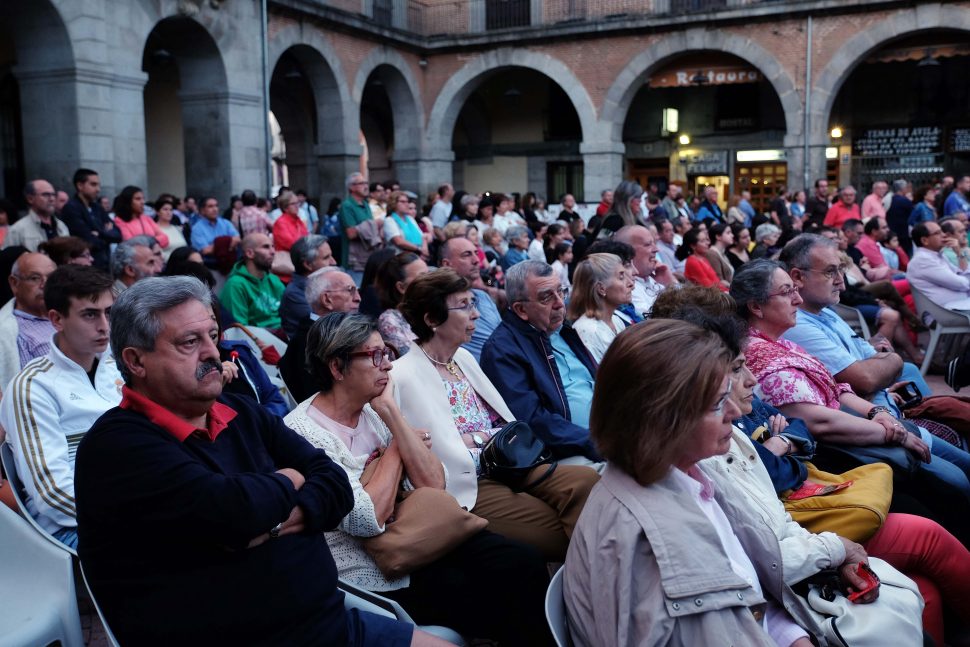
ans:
(287, 230)
(217, 419)
(698, 270)
(838, 213)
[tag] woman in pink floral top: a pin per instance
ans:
(797, 383)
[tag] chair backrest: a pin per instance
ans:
(17, 489)
(853, 317)
(36, 572)
(556, 611)
(385, 604)
(112, 641)
(942, 316)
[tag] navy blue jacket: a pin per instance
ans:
(518, 360)
(253, 380)
(91, 226)
(163, 528)
(786, 472)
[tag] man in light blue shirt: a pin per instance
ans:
(957, 201)
(209, 227)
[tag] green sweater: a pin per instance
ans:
(252, 301)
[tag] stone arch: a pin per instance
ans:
(452, 97)
(180, 50)
(403, 90)
(43, 71)
(328, 80)
(905, 22)
(631, 78)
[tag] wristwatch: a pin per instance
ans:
(876, 410)
(478, 440)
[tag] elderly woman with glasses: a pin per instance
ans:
(443, 389)
(800, 386)
(662, 556)
(354, 417)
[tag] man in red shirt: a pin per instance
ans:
(606, 202)
(844, 209)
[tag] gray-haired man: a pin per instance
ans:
(182, 490)
(133, 260)
(354, 211)
(308, 255)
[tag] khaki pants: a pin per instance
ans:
(545, 516)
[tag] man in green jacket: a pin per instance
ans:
(252, 292)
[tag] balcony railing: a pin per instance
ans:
(456, 17)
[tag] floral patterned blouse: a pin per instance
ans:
(787, 374)
(396, 331)
(471, 414)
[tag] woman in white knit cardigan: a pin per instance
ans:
(352, 417)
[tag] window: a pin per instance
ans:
(564, 177)
(500, 14)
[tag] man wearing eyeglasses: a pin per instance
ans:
(25, 329)
(354, 215)
(39, 224)
(328, 289)
(652, 277)
(933, 275)
(870, 367)
(540, 366)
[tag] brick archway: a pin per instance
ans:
(403, 91)
(855, 50)
(628, 82)
(451, 99)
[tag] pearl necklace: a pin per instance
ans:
(450, 365)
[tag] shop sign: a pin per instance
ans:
(884, 142)
(959, 141)
(706, 162)
(689, 77)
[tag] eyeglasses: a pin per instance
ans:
(719, 407)
(39, 279)
(545, 298)
(467, 307)
(830, 272)
(787, 293)
(351, 290)
(377, 356)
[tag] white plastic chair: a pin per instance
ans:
(948, 322)
(112, 641)
(556, 611)
(17, 487)
(39, 603)
(853, 317)
(357, 598)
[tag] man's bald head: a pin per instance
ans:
(258, 253)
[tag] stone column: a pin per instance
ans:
(425, 173)
(602, 167)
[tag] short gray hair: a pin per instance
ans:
(752, 282)
(899, 185)
(306, 250)
(135, 316)
(517, 275)
(352, 178)
(765, 230)
(317, 283)
(335, 336)
(514, 232)
(796, 253)
(124, 253)
(468, 199)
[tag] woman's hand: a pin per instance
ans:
(855, 555)
(385, 401)
(777, 423)
(894, 430)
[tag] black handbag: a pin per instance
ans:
(512, 453)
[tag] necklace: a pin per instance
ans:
(450, 365)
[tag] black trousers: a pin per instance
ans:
(489, 587)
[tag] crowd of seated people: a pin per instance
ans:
(407, 342)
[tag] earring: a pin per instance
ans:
(433, 330)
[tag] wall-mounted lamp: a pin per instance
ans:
(423, 62)
(670, 123)
(684, 140)
(836, 133)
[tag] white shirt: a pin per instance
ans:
(536, 251)
(440, 213)
(596, 335)
(645, 292)
(933, 275)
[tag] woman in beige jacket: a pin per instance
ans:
(660, 556)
